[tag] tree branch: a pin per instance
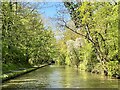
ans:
(73, 30)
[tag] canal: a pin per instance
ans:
(60, 77)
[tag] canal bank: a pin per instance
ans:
(17, 73)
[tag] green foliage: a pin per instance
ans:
(113, 68)
(24, 39)
(98, 21)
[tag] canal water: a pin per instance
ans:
(60, 77)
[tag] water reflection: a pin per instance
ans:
(60, 77)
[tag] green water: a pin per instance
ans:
(60, 77)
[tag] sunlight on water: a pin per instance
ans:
(60, 77)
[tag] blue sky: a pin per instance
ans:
(50, 11)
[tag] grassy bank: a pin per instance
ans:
(7, 68)
(15, 73)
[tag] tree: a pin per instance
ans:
(95, 22)
(25, 39)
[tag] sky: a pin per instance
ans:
(50, 13)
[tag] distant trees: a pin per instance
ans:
(74, 51)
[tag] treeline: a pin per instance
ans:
(93, 44)
(25, 41)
